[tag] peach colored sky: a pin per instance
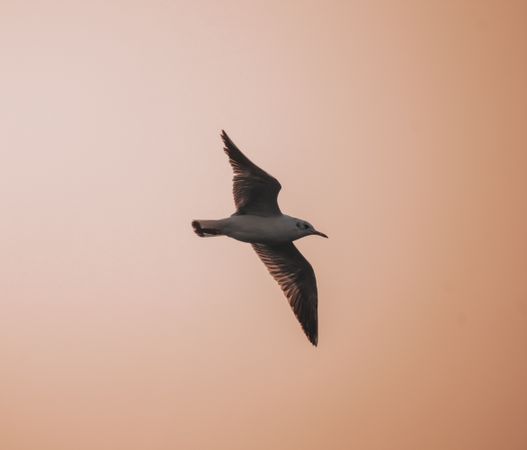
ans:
(398, 128)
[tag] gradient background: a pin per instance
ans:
(398, 128)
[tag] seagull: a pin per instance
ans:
(259, 221)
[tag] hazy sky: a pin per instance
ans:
(396, 127)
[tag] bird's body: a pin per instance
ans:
(256, 229)
(259, 221)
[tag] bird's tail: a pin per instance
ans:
(207, 228)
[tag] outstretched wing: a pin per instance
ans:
(297, 279)
(255, 191)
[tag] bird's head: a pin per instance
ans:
(304, 228)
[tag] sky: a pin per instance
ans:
(396, 127)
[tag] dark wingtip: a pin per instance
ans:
(229, 147)
(226, 141)
(313, 339)
(309, 325)
(310, 330)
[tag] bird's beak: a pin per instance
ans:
(318, 233)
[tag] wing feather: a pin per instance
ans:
(255, 191)
(297, 279)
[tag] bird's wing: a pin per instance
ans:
(297, 279)
(255, 191)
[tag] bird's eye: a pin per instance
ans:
(298, 225)
(306, 226)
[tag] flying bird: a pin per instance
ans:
(259, 221)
